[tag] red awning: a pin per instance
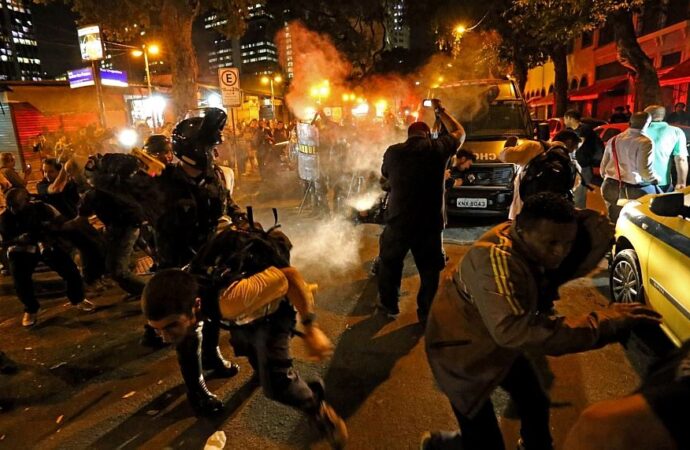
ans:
(600, 87)
(541, 101)
(678, 75)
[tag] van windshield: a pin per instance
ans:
(485, 112)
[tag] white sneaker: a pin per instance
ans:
(29, 319)
(85, 306)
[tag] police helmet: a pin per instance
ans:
(157, 145)
(194, 137)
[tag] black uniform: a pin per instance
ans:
(191, 209)
(414, 217)
(190, 215)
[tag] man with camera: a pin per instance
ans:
(415, 171)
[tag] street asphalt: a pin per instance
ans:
(85, 382)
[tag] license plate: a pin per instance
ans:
(471, 202)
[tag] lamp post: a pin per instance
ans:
(147, 49)
(277, 79)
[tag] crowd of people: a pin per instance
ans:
(170, 208)
(494, 319)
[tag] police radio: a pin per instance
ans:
(150, 165)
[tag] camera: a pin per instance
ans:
(428, 103)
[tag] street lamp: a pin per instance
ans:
(146, 50)
(321, 91)
(277, 79)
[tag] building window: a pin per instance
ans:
(612, 69)
(606, 35)
(670, 60)
(551, 89)
(583, 81)
(677, 11)
(573, 84)
(587, 39)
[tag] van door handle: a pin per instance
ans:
(645, 226)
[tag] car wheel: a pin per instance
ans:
(626, 278)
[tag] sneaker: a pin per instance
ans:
(391, 314)
(29, 319)
(440, 439)
(85, 306)
(331, 426)
(328, 422)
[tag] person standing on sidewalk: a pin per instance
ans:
(669, 143)
(588, 155)
(628, 165)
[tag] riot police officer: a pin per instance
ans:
(195, 198)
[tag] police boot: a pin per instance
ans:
(189, 357)
(212, 361)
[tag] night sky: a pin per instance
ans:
(56, 33)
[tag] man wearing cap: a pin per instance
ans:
(415, 171)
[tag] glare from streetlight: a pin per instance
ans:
(278, 79)
(265, 80)
(137, 53)
(460, 29)
(153, 49)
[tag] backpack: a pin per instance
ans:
(550, 171)
(236, 253)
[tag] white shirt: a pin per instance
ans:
(635, 153)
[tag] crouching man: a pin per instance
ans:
(499, 306)
(261, 311)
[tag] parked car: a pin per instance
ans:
(609, 130)
(651, 262)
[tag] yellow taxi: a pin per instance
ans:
(651, 259)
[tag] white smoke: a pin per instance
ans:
(326, 248)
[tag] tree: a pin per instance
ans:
(619, 13)
(551, 26)
(172, 21)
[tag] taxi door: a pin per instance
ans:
(669, 275)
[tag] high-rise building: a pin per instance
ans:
(18, 47)
(397, 29)
(254, 53)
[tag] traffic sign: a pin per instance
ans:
(229, 80)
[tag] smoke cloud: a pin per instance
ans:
(327, 248)
(322, 78)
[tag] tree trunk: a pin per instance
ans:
(631, 55)
(560, 87)
(177, 19)
(520, 73)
